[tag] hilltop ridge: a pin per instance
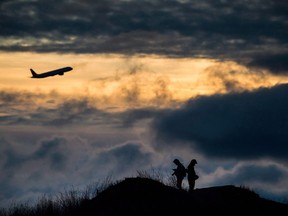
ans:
(143, 196)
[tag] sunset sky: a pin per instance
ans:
(152, 80)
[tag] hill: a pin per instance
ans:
(142, 196)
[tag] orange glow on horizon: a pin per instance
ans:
(133, 81)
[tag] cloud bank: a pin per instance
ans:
(245, 32)
(242, 126)
(34, 166)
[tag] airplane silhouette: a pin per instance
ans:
(59, 71)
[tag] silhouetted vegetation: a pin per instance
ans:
(65, 203)
(147, 194)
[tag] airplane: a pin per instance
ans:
(59, 71)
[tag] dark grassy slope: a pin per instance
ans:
(141, 196)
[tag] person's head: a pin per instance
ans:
(176, 161)
(193, 161)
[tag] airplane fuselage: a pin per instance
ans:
(59, 71)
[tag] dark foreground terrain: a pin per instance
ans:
(145, 196)
(141, 196)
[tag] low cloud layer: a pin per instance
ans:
(35, 166)
(237, 138)
(241, 126)
(241, 31)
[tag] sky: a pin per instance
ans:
(152, 80)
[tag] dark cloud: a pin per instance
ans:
(20, 108)
(265, 174)
(73, 112)
(15, 97)
(251, 173)
(244, 125)
(220, 29)
(47, 163)
(54, 151)
(277, 63)
(131, 117)
(31, 169)
(125, 158)
(50, 151)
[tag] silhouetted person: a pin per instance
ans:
(192, 176)
(179, 172)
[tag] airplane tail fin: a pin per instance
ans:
(34, 74)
